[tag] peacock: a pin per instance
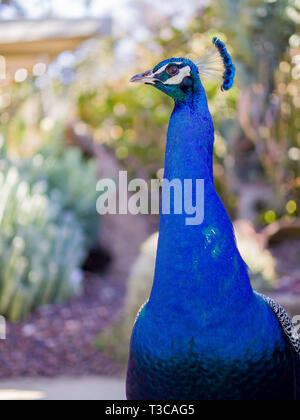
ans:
(204, 333)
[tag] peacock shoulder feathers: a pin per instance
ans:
(292, 338)
(285, 322)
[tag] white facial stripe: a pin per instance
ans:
(176, 80)
(162, 69)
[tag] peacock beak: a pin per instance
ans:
(146, 77)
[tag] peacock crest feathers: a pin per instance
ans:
(218, 65)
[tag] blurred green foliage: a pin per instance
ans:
(130, 121)
(266, 145)
(46, 225)
(70, 182)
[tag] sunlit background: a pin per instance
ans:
(71, 281)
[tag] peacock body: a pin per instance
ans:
(205, 334)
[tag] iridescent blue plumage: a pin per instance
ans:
(204, 334)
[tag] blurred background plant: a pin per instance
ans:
(71, 111)
(46, 230)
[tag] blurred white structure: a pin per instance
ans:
(25, 42)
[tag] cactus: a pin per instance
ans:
(44, 223)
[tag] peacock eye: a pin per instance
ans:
(172, 70)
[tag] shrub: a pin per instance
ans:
(70, 182)
(47, 210)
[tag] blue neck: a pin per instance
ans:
(197, 266)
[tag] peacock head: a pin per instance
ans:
(180, 77)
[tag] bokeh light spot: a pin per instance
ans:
(270, 216)
(21, 75)
(291, 207)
